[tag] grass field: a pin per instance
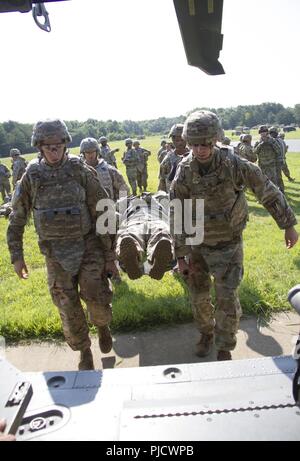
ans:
(26, 310)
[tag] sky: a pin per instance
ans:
(124, 59)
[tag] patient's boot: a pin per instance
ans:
(162, 257)
(129, 258)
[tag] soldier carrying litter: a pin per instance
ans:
(62, 192)
(219, 178)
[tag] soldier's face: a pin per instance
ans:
(204, 150)
(264, 135)
(179, 143)
(53, 150)
(90, 157)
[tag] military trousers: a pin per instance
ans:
(132, 179)
(142, 177)
(5, 188)
(146, 233)
(91, 285)
(222, 267)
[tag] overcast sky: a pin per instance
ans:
(124, 59)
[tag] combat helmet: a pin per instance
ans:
(14, 151)
(226, 141)
(46, 129)
(136, 142)
(273, 129)
(128, 141)
(176, 130)
(89, 144)
(263, 129)
(202, 125)
(102, 139)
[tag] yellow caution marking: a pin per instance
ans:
(210, 6)
(192, 9)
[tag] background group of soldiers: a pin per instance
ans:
(62, 192)
(18, 166)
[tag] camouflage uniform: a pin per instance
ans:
(4, 181)
(285, 168)
(130, 160)
(111, 180)
(246, 150)
(142, 167)
(144, 230)
(167, 165)
(270, 160)
(18, 166)
(220, 183)
(63, 200)
(108, 155)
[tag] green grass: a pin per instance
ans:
(26, 309)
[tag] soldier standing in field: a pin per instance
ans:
(130, 160)
(62, 192)
(18, 165)
(142, 166)
(110, 178)
(246, 150)
(161, 153)
(219, 178)
(4, 182)
(107, 153)
(269, 156)
(173, 158)
(285, 168)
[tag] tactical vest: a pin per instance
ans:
(59, 206)
(225, 205)
(105, 179)
(267, 156)
(131, 159)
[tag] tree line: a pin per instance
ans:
(15, 134)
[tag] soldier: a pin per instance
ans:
(285, 168)
(62, 192)
(269, 156)
(18, 165)
(246, 150)
(239, 144)
(130, 160)
(219, 178)
(172, 159)
(4, 182)
(144, 232)
(274, 134)
(142, 167)
(107, 153)
(110, 178)
(162, 151)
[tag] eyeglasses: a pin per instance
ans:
(53, 146)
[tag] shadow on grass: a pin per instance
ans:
(258, 314)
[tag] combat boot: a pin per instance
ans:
(86, 360)
(291, 179)
(105, 339)
(129, 258)
(162, 258)
(224, 355)
(204, 346)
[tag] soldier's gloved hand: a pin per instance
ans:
(111, 269)
(291, 237)
(21, 269)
